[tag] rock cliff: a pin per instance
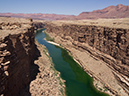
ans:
(109, 44)
(25, 66)
(16, 54)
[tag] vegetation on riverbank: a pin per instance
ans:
(53, 74)
(48, 38)
(56, 73)
(81, 75)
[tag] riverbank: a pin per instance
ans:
(47, 81)
(51, 42)
(78, 82)
(97, 84)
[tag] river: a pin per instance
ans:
(78, 82)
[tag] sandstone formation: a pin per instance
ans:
(100, 43)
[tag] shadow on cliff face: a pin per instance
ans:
(35, 67)
(34, 71)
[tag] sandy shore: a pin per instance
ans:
(53, 43)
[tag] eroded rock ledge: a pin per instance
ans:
(107, 44)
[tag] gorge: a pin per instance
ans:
(101, 49)
(77, 81)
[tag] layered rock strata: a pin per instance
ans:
(16, 54)
(107, 44)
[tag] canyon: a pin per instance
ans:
(119, 11)
(100, 47)
(102, 50)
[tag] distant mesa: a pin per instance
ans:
(119, 11)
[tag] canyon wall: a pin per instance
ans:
(110, 41)
(16, 54)
(109, 44)
(38, 25)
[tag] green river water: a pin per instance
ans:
(78, 82)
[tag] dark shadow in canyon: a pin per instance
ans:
(34, 71)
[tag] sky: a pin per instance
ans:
(67, 7)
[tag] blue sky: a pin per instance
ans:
(68, 7)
